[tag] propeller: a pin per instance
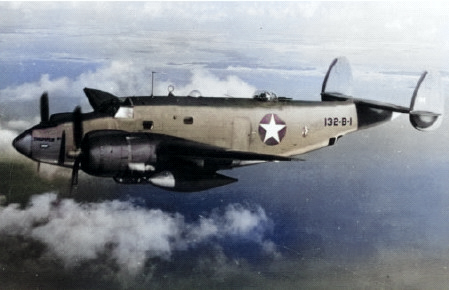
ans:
(77, 139)
(45, 116)
(76, 168)
(61, 157)
(45, 111)
(77, 127)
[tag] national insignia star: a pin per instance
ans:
(272, 129)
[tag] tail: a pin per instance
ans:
(426, 107)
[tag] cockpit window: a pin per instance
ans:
(125, 113)
(148, 125)
(188, 120)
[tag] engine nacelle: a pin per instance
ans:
(111, 153)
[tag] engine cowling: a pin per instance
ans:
(132, 158)
(111, 153)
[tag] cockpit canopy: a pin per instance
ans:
(265, 96)
(194, 94)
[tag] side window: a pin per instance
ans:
(125, 113)
(188, 120)
(148, 125)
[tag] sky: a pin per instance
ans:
(370, 212)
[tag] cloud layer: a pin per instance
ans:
(130, 234)
(275, 34)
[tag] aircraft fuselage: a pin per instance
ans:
(284, 128)
(179, 143)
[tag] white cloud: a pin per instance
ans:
(211, 85)
(6, 138)
(29, 91)
(395, 33)
(126, 78)
(240, 221)
(78, 232)
(20, 125)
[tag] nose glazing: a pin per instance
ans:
(22, 143)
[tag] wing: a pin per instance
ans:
(191, 166)
(162, 160)
(181, 148)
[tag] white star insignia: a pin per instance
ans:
(272, 130)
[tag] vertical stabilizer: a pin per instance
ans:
(338, 79)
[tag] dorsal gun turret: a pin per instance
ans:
(102, 102)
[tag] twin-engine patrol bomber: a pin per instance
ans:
(179, 143)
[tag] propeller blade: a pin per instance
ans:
(61, 157)
(77, 127)
(45, 111)
(77, 138)
(76, 167)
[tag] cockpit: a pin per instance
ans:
(265, 96)
(195, 94)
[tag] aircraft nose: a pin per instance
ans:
(22, 143)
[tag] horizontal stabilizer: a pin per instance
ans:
(368, 103)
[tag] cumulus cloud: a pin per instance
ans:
(34, 89)
(124, 78)
(129, 234)
(116, 77)
(6, 138)
(211, 85)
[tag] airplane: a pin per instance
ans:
(180, 143)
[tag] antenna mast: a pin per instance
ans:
(152, 81)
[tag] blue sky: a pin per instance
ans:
(267, 39)
(219, 48)
(369, 212)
